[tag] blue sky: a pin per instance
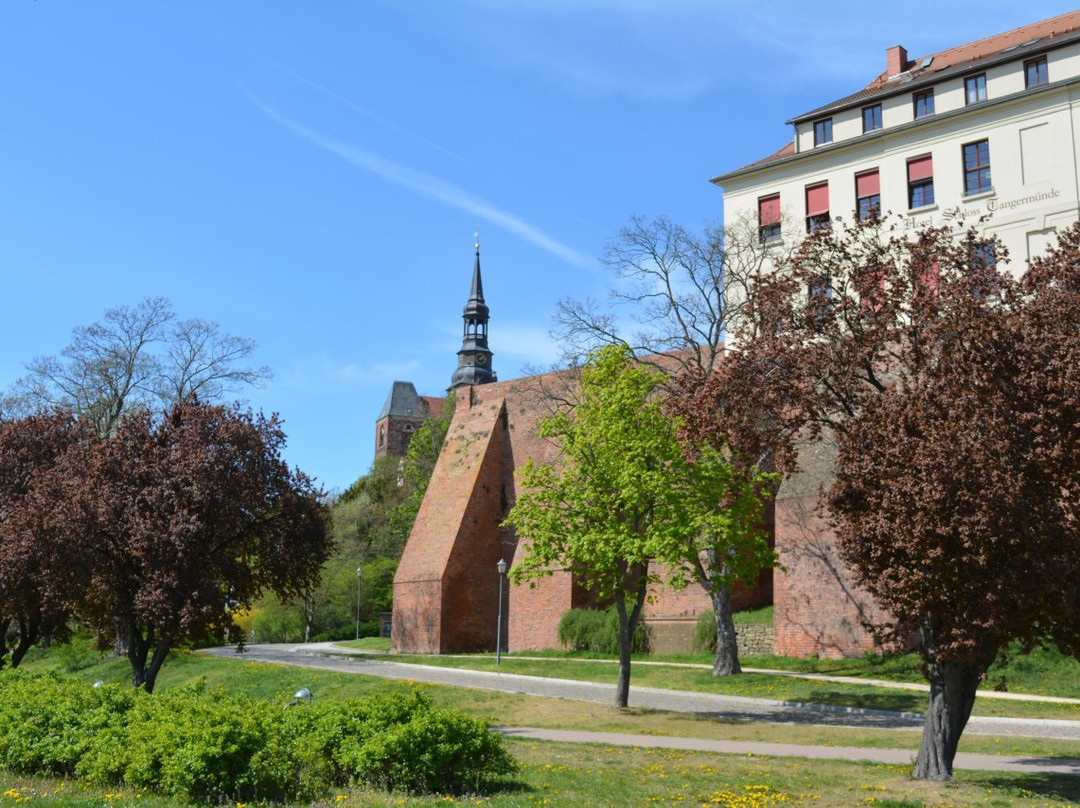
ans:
(310, 174)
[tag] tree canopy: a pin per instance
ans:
(625, 495)
(170, 525)
(37, 573)
(676, 297)
(950, 389)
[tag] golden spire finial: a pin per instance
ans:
(476, 237)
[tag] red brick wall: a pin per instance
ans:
(416, 617)
(445, 589)
(471, 578)
(817, 609)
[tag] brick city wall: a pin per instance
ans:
(446, 590)
(818, 611)
(455, 539)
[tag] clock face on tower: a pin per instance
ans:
(481, 359)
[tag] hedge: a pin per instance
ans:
(211, 745)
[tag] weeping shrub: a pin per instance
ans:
(597, 631)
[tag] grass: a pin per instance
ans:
(583, 774)
(560, 774)
(278, 683)
(749, 617)
(368, 644)
(752, 685)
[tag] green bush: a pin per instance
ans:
(597, 630)
(209, 745)
(48, 722)
(705, 633)
(436, 750)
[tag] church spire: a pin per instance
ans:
(474, 358)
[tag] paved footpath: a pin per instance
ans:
(326, 656)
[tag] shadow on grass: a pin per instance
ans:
(1065, 787)
(898, 702)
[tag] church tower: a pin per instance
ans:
(474, 358)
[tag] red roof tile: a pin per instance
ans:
(928, 69)
(1010, 44)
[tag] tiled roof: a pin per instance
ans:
(434, 405)
(926, 70)
(1008, 45)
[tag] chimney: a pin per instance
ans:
(895, 61)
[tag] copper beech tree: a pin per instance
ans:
(178, 521)
(36, 572)
(952, 392)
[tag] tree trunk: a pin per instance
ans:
(160, 652)
(3, 641)
(952, 695)
(726, 660)
(628, 620)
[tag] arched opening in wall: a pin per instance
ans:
(382, 436)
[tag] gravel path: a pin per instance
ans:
(325, 656)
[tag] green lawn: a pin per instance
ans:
(563, 774)
(754, 685)
(559, 774)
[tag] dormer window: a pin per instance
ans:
(1035, 73)
(975, 89)
(923, 103)
(871, 118)
(823, 131)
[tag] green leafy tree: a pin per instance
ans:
(678, 294)
(625, 496)
(370, 524)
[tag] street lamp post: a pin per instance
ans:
(498, 630)
(359, 573)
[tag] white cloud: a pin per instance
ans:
(367, 113)
(431, 187)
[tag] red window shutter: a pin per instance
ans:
(817, 199)
(921, 168)
(868, 184)
(769, 210)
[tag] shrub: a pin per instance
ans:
(705, 633)
(436, 750)
(597, 630)
(211, 745)
(48, 722)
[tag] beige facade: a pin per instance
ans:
(1009, 104)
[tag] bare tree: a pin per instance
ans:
(677, 296)
(136, 358)
(201, 359)
(677, 292)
